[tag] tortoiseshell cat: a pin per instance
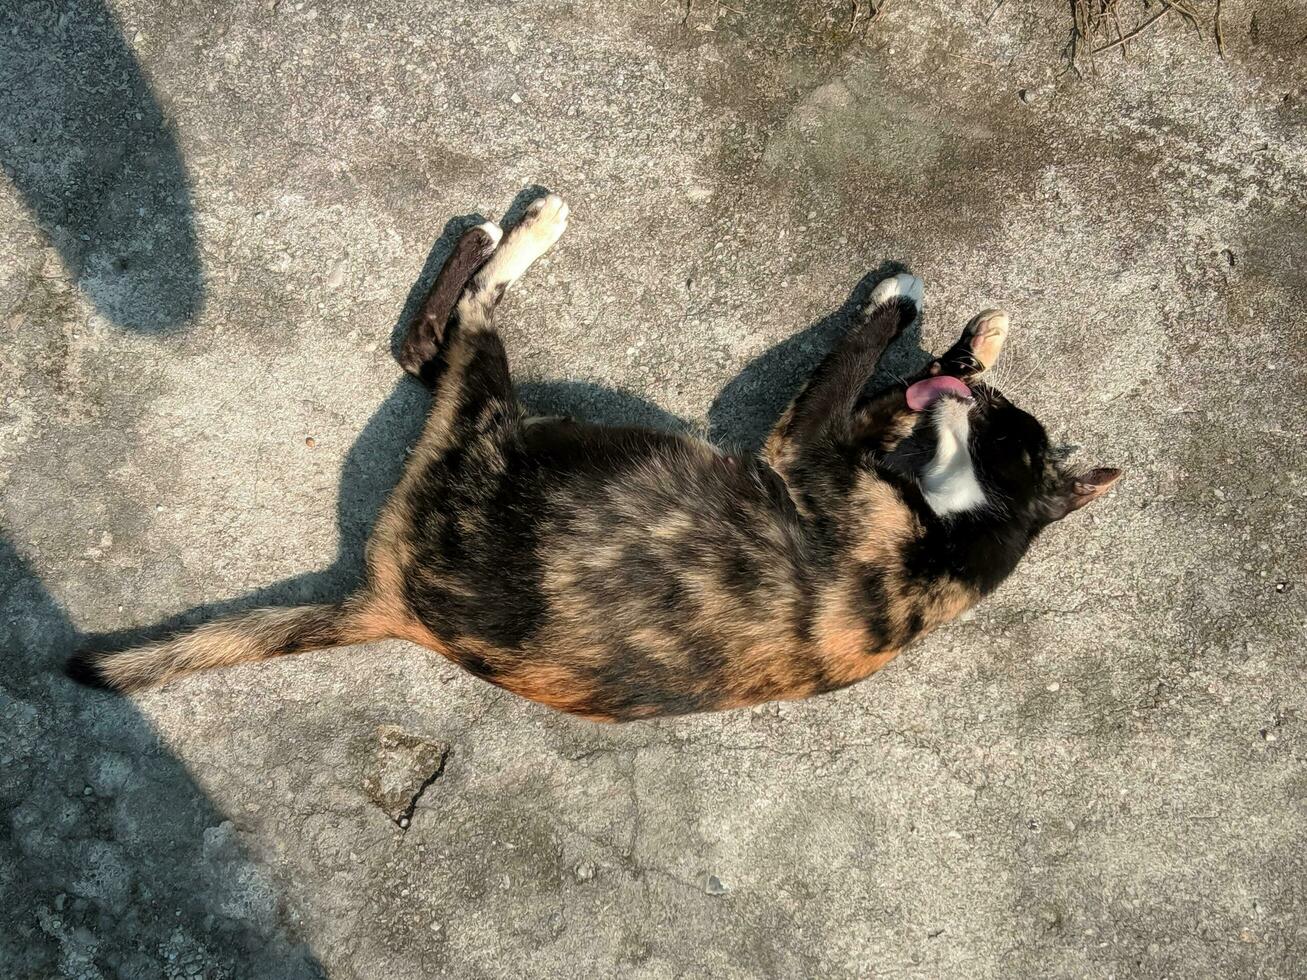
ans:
(619, 573)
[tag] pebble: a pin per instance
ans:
(310, 442)
(337, 277)
(714, 885)
(585, 871)
(1054, 687)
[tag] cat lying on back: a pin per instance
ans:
(620, 573)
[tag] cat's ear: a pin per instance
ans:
(1079, 489)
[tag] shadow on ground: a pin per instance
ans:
(93, 156)
(113, 862)
(129, 864)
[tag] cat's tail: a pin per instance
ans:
(247, 638)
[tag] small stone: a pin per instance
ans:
(515, 99)
(1024, 95)
(585, 871)
(310, 442)
(1283, 587)
(337, 277)
(714, 885)
(403, 767)
(1053, 688)
(1269, 736)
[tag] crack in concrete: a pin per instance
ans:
(405, 765)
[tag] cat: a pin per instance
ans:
(622, 573)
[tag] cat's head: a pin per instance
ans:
(978, 460)
(977, 457)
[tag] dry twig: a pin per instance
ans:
(1096, 24)
(1120, 42)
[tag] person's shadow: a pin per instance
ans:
(113, 861)
(95, 160)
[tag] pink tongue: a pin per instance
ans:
(923, 394)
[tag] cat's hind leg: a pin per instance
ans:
(427, 332)
(542, 225)
(468, 371)
(469, 377)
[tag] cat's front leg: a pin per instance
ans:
(820, 417)
(882, 421)
(978, 349)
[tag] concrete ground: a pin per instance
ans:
(214, 217)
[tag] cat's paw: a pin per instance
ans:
(493, 234)
(543, 224)
(902, 286)
(986, 334)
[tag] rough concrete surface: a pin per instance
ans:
(213, 219)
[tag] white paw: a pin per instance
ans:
(904, 285)
(545, 220)
(493, 231)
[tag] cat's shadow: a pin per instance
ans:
(738, 420)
